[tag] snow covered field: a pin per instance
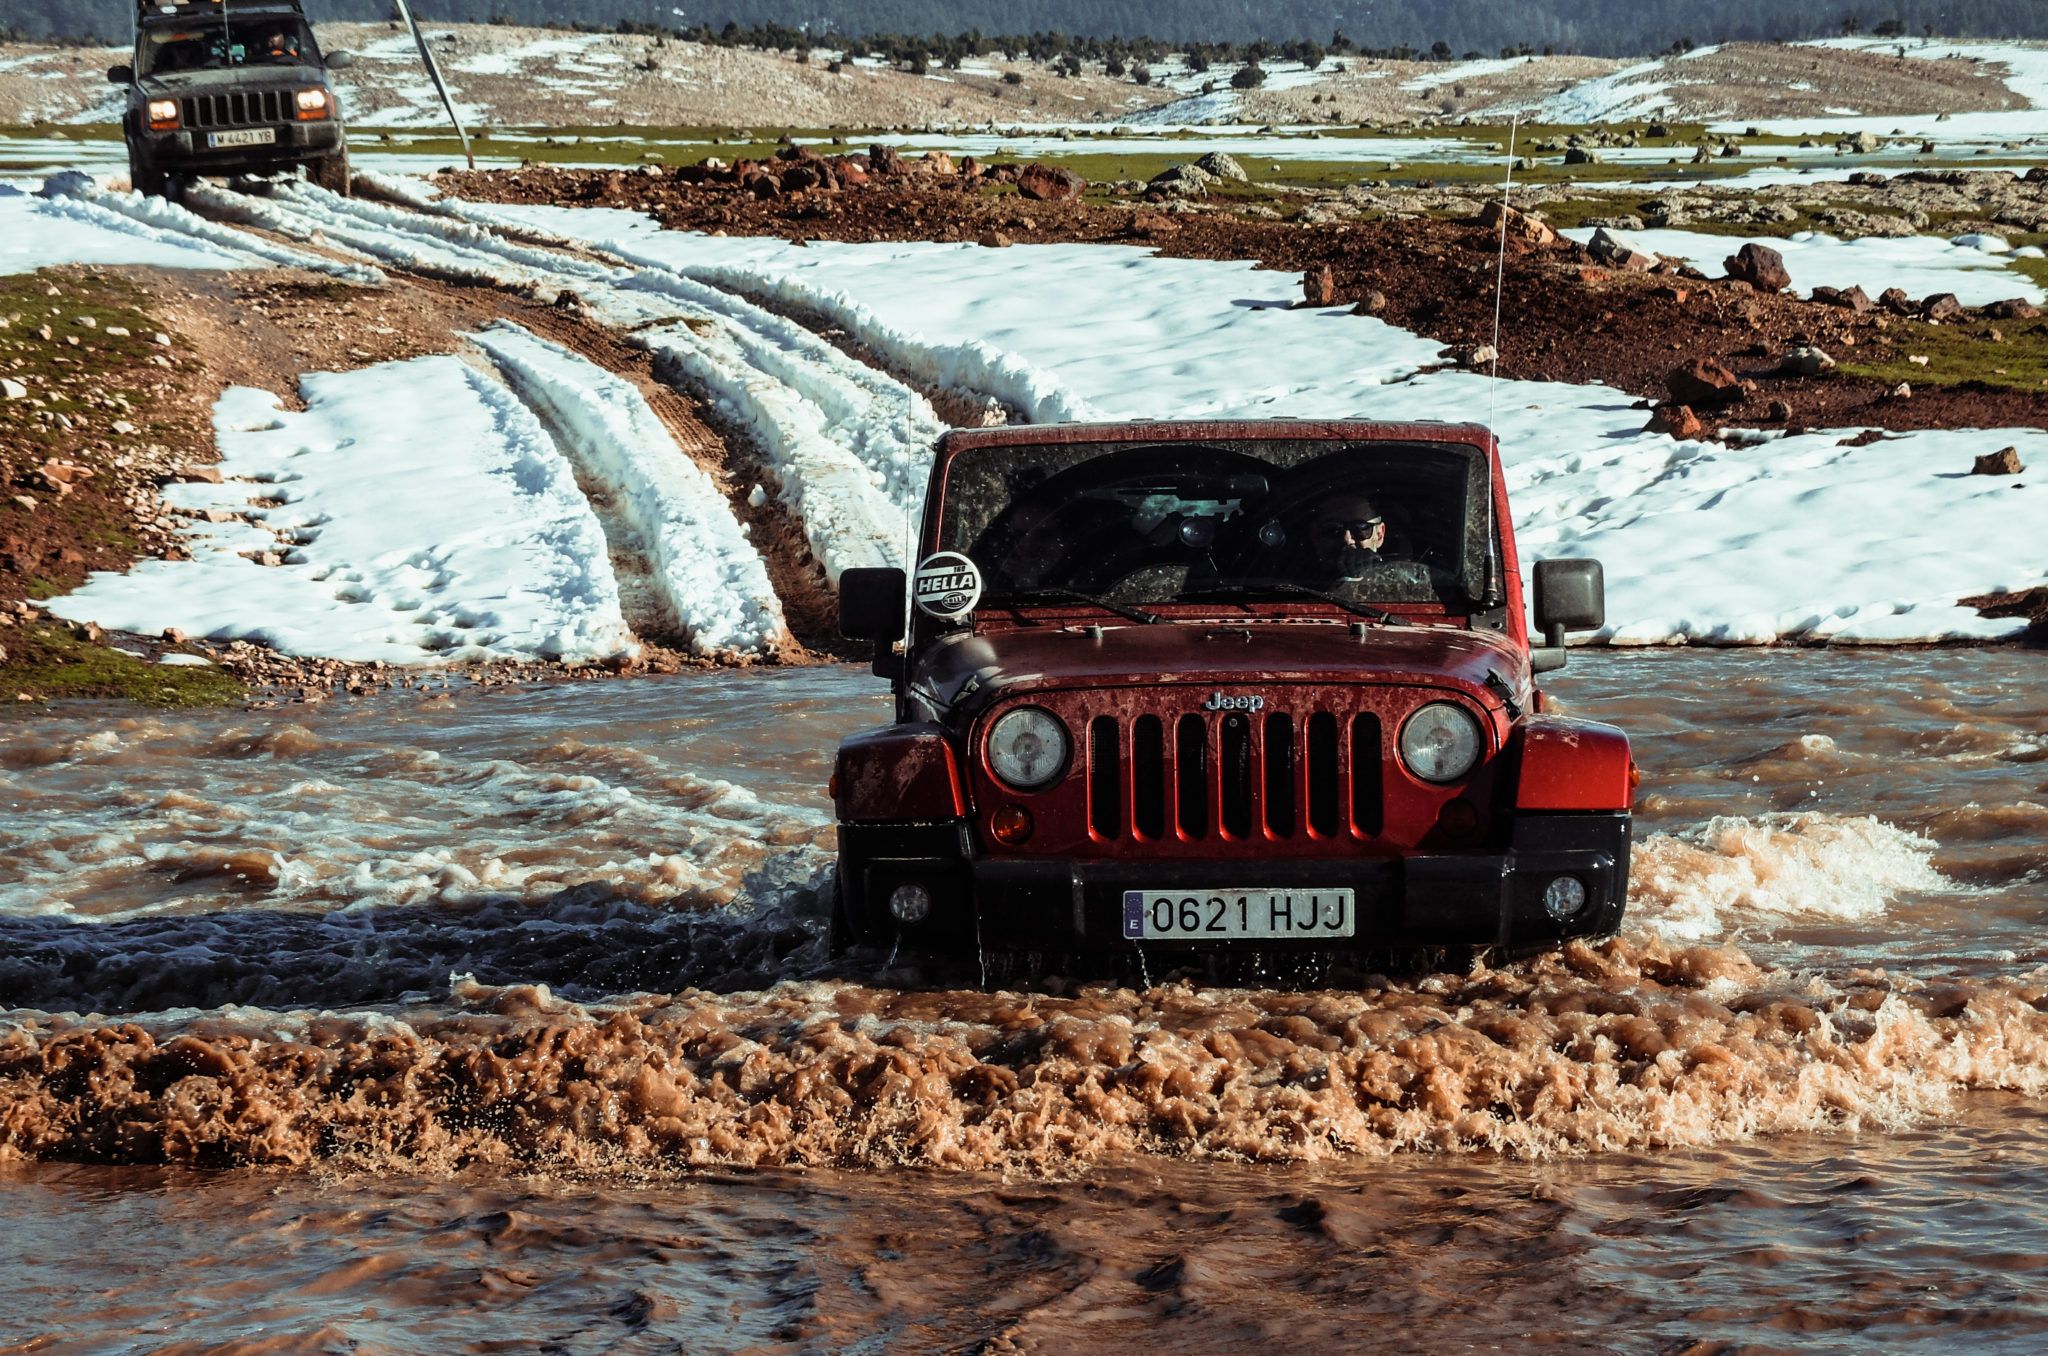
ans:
(1920, 265)
(1809, 537)
(484, 549)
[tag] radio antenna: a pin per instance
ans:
(1500, 270)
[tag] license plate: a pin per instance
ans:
(255, 136)
(1238, 915)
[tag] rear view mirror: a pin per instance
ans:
(1571, 595)
(871, 605)
(120, 75)
(340, 61)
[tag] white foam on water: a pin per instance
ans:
(1734, 873)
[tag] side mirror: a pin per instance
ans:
(120, 75)
(871, 605)
(340, 61)
(1571, 595)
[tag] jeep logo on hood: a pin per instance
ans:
(1220, 701)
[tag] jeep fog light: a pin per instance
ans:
(1440, 742)
(1564, 897)
(1028, 748)
(910, 903)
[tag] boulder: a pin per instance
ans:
(1180, 181)
(1896, 301)
(799, 178)
(1848, 298)
(10, 389)
(1760, 266)
(2004, 462)
(1153, 224)
(938, 162)
(1805, 361)
(1617, 252)
(1520, 225)
(1372, 303)
(851, 174)
(1319, 286)
(1676, 420)
(1222, 167)
(2018, 308)
(1705, 383)
(1050, 183)
(885, 161)
(1579, 155)
(995, 240)
(1941, 306)
(763, 185)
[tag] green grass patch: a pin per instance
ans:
(51, 662)
(110, 303)
(1956, 354)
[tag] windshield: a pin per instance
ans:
(218, 44)
(1139, 523)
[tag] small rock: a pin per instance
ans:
(1848, 298)
(1778, 411)
(1805, 361)
(1477, 355)
(89, 632)
(1319, 286)
(1706, 382)
(2018, 308)
(1917, 359)
(995, 240)
(160, 339)
(24, 503)
(1760, 266)
(202, 475)
(1222, 166)
(1372, 304)
(10, 389)
(1519, 225)
(1902, 391)
(1676, 420)
(1616, 252)
(1941, 306)
(2004, 462)
(1896, 301)
(1050, 183)
(123, 428)
(173, 636)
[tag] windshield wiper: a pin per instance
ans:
(1255, 588)
(1026, 597)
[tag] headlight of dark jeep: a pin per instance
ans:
(1028, 748)
(1440, 742)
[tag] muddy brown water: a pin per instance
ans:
(496, 1020)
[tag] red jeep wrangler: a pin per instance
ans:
(1219, 686)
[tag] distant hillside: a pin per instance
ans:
(1602, 27)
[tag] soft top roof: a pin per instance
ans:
(1216, 430)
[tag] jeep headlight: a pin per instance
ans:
(312, 102)
(163, 114)
(1440, 742)
(1028, 748)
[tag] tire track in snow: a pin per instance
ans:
(708, 581)
(847, 445)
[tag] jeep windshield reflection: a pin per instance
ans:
(219, 44)
(1136, 524)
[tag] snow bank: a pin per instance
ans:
(424, 517)
(1921, 265)
(38, 233)
(709, 577)
(1806, 537)
(77, 197)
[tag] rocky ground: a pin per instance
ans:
(508, 75)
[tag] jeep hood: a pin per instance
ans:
(968, 667)
(175, 84)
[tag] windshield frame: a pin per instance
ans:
(1474, 593)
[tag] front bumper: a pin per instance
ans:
(186, 152)
(1070, 905)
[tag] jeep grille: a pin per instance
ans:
(1235, 775)
(237, 108)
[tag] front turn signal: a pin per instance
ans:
(1011, 825)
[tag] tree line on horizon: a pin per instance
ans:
(944, 31)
